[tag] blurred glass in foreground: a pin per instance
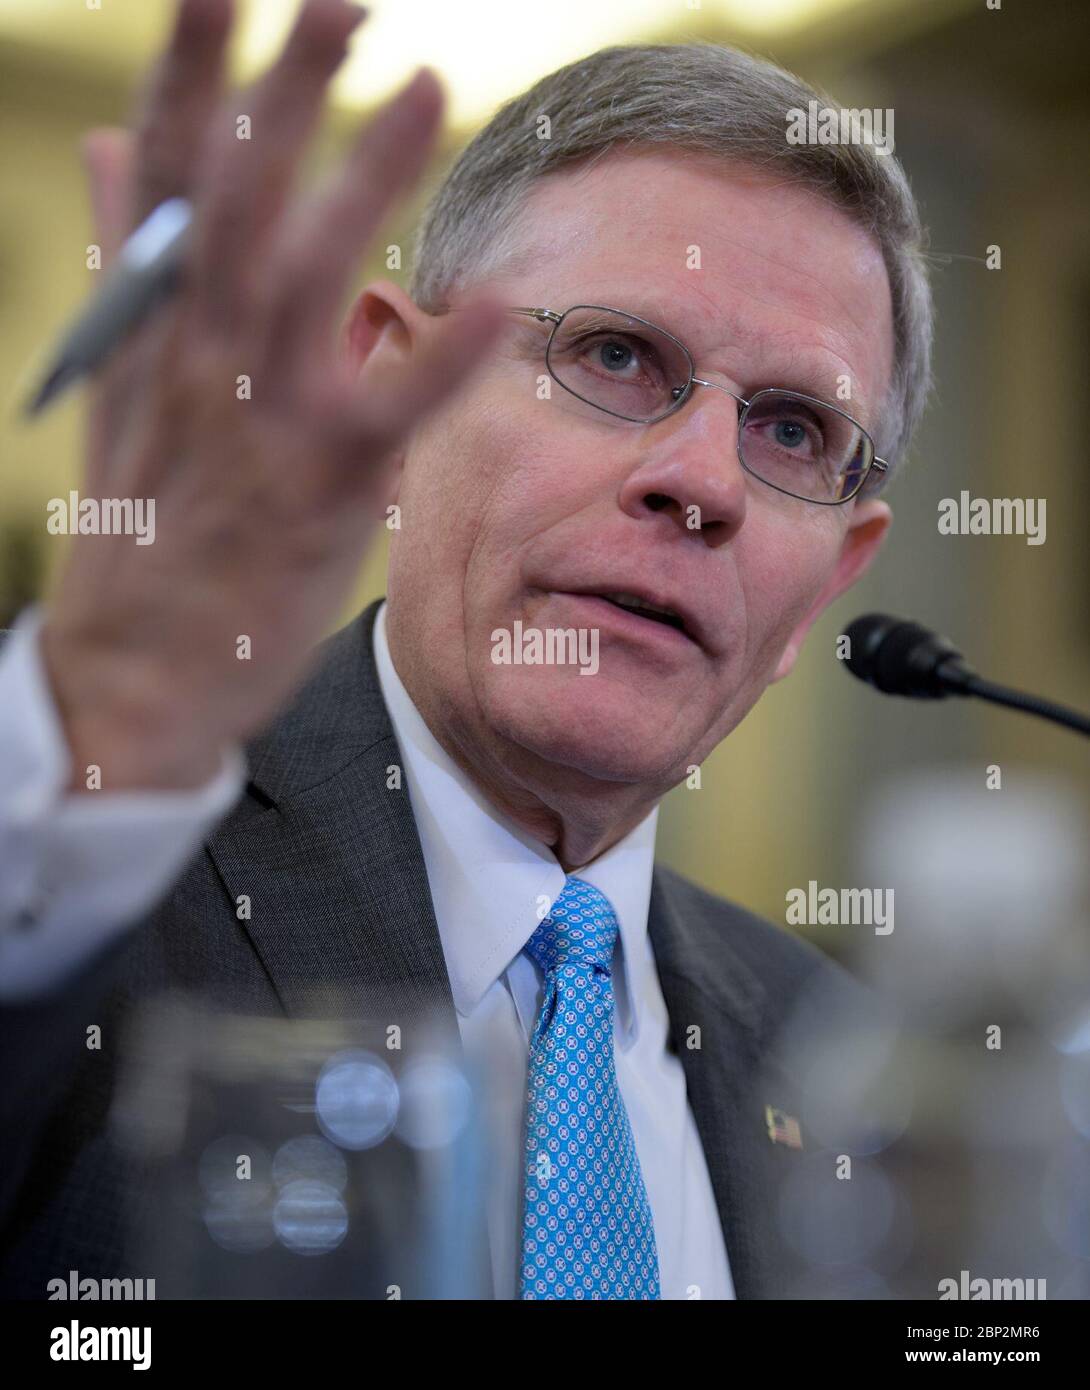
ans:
(300, 1159)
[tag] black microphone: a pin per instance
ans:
(898, 657)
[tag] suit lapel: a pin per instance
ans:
(340, 910)
(707, 987)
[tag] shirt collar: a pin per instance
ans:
(491, 882)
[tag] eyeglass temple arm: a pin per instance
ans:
(544, 315)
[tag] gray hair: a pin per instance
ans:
(701, 97)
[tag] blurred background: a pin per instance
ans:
(991, 125)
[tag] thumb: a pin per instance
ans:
(107, 154)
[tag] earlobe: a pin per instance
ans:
(786, 663)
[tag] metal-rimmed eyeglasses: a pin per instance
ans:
(630, 368)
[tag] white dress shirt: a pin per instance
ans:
(76, 870)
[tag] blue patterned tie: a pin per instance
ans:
(587, 1230)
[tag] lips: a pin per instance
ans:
(645, 606)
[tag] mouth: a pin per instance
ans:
(632, 603)
(641, 610)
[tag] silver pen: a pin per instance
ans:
(146, 272)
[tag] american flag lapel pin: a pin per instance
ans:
(783, 1129)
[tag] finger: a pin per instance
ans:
(309, 272)
(119, 391)
(391, 409)
(107, 155)
(249, 180)
(181, 100)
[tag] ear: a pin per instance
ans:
(382, 327)
(380, 334)
(867, 531)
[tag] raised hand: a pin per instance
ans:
(264, 494)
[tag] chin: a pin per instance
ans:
(589, 724)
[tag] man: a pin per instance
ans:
(671, 448)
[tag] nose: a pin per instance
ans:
(691, 473)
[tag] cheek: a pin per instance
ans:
(479, 482)
(527, 483)
(450, 470)
(787, 562)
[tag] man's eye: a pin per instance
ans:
(618, 355)
(615, 355)
(790, 434)
(796, 433)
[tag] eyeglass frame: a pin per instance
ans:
(556, 318)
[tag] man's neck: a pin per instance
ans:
(576, 815)
(577, 825)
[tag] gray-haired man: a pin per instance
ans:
(700, 352)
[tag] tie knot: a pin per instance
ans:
(581, 929)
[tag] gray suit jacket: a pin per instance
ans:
(340, 910)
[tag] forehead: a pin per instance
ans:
(763, 280)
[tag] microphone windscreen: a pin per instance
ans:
(897, 657)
